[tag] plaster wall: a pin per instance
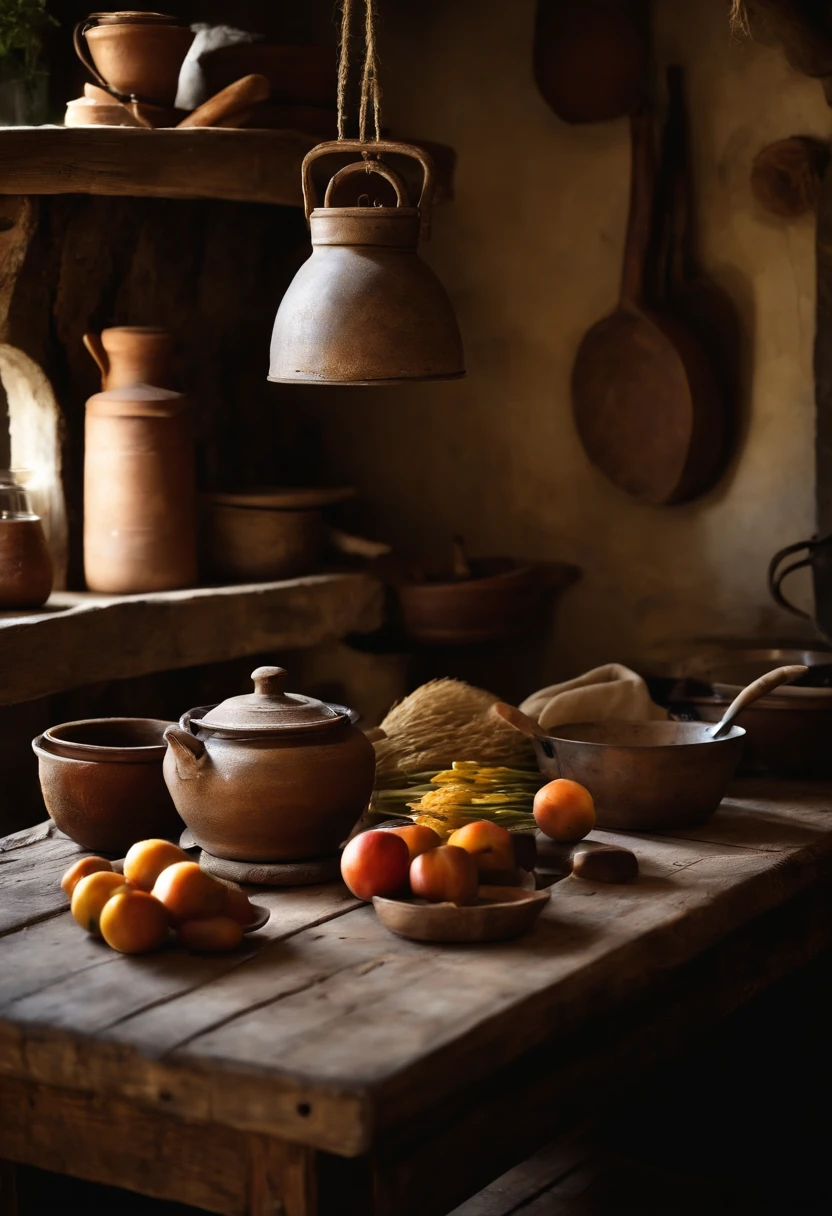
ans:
(531, 252)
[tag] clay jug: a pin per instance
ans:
(25, 564)
(139, 493)
(133, 55)
(133, 354)
(365, 308)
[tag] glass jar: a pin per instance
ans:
(25, 564)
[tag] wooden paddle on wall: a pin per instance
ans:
(642, 385)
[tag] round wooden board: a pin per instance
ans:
(273, 874)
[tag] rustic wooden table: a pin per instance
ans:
(328, 1066)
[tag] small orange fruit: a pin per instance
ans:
(418, 838)
(564, 810)
(146, 859)
(82, 868)
(239, 906)
(189, 893)
(90, 896)
(490, 845)
(211, 934)
(133, 922)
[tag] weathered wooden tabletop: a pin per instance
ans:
(330, 1066)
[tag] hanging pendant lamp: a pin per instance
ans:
(364, 308)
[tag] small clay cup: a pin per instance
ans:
(102, 782)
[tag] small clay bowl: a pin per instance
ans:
(499, 914)
(102, 782)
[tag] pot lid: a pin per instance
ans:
(269, 708)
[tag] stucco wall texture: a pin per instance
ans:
(530, 253)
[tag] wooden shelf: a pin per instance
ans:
(80, 638)
(260, 166)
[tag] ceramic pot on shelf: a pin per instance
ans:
(269, 776)
(133, 54)
(133, 354)
(139, 491)
(25, 564)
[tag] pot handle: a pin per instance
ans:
(188, 752)
(776, 577)
(95, 347)
(369, 166)
(82, 51)
(375, 148)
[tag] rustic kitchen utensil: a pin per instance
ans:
(704, 307)
(139, 491)
(786, 176)
(645, 775)
(270, 776)
(250, 543)
(235, 98)
(364, 308)
(135, 56)
(753, 692)
(133, 354)
(642, 383)
(499, 914)
(590, 57)
(25, 565)
(102, 782)
(817, 557)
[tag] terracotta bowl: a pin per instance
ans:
(499, 914)
(498, 601)
(102, 782)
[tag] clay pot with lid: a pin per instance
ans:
(269, 776)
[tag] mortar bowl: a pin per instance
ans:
(645, 776)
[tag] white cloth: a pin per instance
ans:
(612, 691)
(193, 87)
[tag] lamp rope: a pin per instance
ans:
(370, 88)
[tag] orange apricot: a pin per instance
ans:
(211, 934)
(90, 896)
(489, 844)
(81, 869)
(417, 837)
(188, 892)
(133, 922)
(564, 810)
(447, 873)
(146, 859)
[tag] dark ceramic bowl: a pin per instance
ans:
(102, 782)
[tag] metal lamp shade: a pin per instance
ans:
(365, 309)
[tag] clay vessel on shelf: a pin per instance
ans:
(258, 543)
(139, 491)
(133, 54)
(25, 564)
(270, 776)
(133, 354)
(102, 782)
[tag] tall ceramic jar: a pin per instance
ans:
(139, 491)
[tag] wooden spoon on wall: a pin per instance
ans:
(642, 381)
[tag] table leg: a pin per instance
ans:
(8, 1188)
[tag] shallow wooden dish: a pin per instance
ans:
(500, 913)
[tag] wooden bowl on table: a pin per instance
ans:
(499, 914)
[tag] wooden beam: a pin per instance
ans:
(259, 166)
(83, 639)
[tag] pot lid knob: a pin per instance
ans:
(269, 681)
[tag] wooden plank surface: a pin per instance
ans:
(259, 166)
(86, 638)
(328, 1029)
